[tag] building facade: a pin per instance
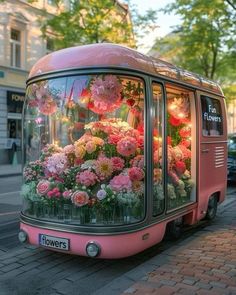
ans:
(21, 45)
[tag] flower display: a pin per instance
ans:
(99, 169)
(57, 163)
(105, 94)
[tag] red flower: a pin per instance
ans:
(185, 132)
(169, 140)
(130, 102)
(174, 121)
(85, 93)
(180, 167)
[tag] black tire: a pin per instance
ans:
(174, 229)
(212, 208)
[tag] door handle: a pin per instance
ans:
(205, 150)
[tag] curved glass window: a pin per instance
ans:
(84, 143)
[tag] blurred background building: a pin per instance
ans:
(21, 45)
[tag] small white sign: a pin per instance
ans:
(54, 242)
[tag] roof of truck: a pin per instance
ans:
(112, 55)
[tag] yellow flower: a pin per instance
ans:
(80, 151)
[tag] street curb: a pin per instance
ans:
(9, 175)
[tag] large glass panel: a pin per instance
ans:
(84, 137)
(180, 148)
(158, 194)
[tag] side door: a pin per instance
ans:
(212, 134)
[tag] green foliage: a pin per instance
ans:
(206, 36)
(96, 21)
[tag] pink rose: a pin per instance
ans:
(121, 182)
(80, 198)
(43, 187)
(90, 147)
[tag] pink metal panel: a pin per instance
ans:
(106, 54)
(93, 56)
(112, 246)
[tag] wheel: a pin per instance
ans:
(174, 229)
(212, 208)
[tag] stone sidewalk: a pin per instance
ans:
(203, 264)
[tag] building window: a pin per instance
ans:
(15, 48)
(51, 2)
(49, 45)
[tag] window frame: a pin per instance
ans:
(13, 49)
(221, 132)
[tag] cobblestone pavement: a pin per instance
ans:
(203, 263)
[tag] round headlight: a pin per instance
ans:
(93, 249)
(22, 236)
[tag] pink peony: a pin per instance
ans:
(121, 182)
(86, 178)
(136, 173)
(127, 146)
(43, 187)
(118, 163)
(80, 198)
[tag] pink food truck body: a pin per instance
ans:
(119, 149)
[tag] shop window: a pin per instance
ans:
(15, 42)
(85, 140)
(212, 121)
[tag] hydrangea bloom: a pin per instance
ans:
(57, 163)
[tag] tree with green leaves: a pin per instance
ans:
(206, 35)
(94, 21)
